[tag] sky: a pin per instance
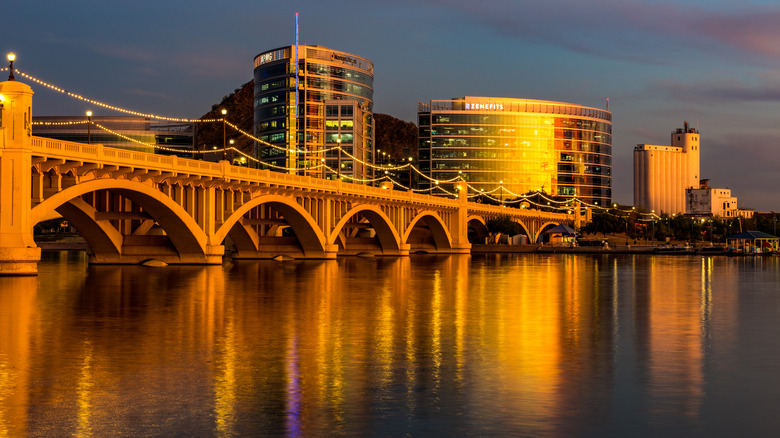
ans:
(713, 63)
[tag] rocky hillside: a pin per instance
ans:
(397, 137)
(240, 112)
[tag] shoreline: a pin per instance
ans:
(500, 249)
(619, 249)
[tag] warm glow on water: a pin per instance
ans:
(526, 345)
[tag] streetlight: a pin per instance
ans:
(501, 192)
(89, 126)
(410, 173)
(224, 150)
(11, 58)
(231, 149)
(338, 166)
(653, 235)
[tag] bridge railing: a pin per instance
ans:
(97, 153)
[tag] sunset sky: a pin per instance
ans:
(713, 63)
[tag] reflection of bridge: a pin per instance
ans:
(132, 206)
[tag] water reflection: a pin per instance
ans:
(542, 345)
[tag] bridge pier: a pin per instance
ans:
(18, 252)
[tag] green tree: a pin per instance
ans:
(501, 225)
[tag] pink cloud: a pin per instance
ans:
(632, 30)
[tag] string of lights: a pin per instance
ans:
(74, 122)
(386, 176)
(319, 165)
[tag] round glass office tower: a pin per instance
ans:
(327, 100)
(520, 145)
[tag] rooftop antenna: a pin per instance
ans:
(296, 73)
(608, 104)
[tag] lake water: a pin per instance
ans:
(484, 345)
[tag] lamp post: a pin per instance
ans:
(338, 165)
(11, 59)
(410, 173)
(224, 150)
(501, 193)
(89, 127)
(653, 235)
(231, 150)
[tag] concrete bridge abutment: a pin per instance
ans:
(18, 252)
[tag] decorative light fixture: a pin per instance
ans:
(11, 59)
(89, 125)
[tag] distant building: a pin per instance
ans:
(178, 136)
(333, 105)
(706, 201)
(663, 173)
(518, 146)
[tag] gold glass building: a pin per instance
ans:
(521, 145)
(323, 100)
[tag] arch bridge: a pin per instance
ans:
(131, 207)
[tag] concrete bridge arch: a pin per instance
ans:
(188, 242)
(243, 228)
(387, 240)
(440, 236)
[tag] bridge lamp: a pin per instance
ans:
(11, 59)
(224, 151)
(89, 127)
(410, 173)
(338, 166)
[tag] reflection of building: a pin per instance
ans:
(334, 101)
(521, 145)
(706, 201)
(71, 128)
(662, 173)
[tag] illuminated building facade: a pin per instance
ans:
(663, 173)
(304, 108)
(519, 145)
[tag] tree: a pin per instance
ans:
(501, 225)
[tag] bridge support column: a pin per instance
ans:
(460, 231)
(18, 252)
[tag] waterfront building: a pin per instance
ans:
(304, 108)
(137, 132)
(663, 173)
(518, 146)
(706, 201)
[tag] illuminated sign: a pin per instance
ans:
(485, 106)
(344, 59)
